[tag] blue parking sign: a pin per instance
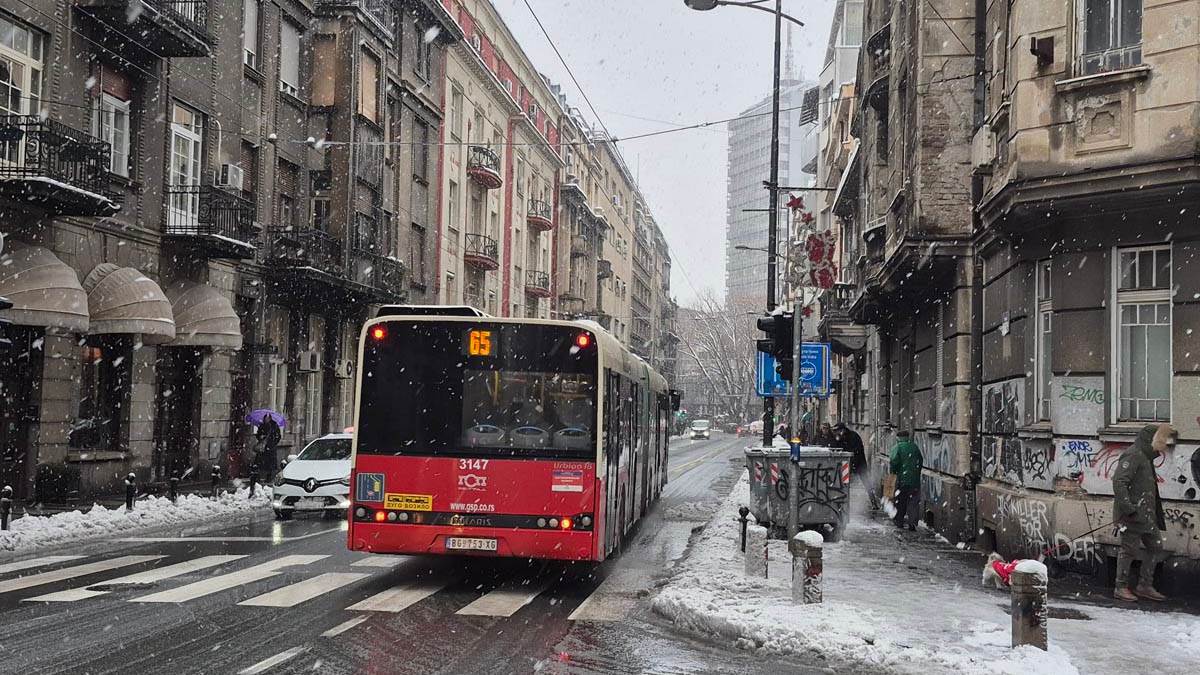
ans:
(814, 369)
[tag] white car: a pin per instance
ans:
(701, 429)
(317, 480)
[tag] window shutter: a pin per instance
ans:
(324, 75)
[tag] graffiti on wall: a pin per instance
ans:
(1027, 521)
(1004, 406)
(1077, 405)
(933, 492)
(1091, 464)
(937, 451)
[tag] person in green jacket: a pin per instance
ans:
(1137, 510)
(906, 464)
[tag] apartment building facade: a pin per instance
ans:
(198, 219)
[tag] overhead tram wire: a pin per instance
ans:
(570, 72)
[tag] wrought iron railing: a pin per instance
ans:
(1108, 60)
(540, 209)
(200, 210)
(482, 246)
(308, 248)
(382, 273)
(538, 280)
(368, 233)
(32, 147)
(193, 12)
(481, 157)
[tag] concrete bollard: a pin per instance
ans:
(5, 506)
(130, 490)
(756, 551)
(216, 480)
(1029, 616)
(744, 519)
(807, 566)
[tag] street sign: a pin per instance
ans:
(814, 370)
(767, 381)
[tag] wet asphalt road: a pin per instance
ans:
(264, 597)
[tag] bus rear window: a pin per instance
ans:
(531, 392)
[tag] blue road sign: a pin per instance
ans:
(814, 369)
(767, 381)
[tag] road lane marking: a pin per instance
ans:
(505, 600)
(344, 626)
(399, 598)
(380, 561)
(72, 572)
(223, 582)
(160, 540)
(303, 591)
(267, 664)
(37, 562)
(147, 577)
(688, 465)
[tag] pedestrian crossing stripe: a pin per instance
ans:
(141, 578)
(225, 582)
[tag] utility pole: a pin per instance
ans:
(773, 212)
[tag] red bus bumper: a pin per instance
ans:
(431, 540)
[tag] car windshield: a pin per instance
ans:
(326, 449)
(700, 424)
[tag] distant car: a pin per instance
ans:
(315, 481)
(701, 429)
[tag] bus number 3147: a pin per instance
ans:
(473, 464)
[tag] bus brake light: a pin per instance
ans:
(378, 332)
(565, 523)
(379, 516)
(583, 340)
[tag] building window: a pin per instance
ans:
(324, 70)
(112, 125)
(277, 384)
(416, 253)
(104, 392)
(420, 150)
(313, 387)
(1110, 35)
(250, 33)
(368, 87)
(289, 58)
(287, 211)
(456, 112)
(187, 140)
(520, 175)
(321, 213)
(1045, 323)
(1143, 336)
(21, 64)
(852, 24)
(424, 61)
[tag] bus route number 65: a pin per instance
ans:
(479, 343)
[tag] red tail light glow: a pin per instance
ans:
(379, 516)
(565, 523)
(378, 332)
(583, 340)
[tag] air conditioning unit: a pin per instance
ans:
(344, 369)
(231, 176)
(309, 362)
(983, 148)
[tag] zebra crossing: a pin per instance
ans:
(212, 575)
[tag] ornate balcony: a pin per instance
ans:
(540, 215)
(53, 167)
(483, 166)
(381, 277)
(305, 261)
(537, 284)
(168, 28)
(836, 325)
(211, 221)
(481, 251)
(570, 304)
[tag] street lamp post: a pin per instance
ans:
(773, 181)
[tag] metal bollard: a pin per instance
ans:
(1028, 609)
(5, 506)
(130, 490)
(807, 566)
(743, 518)
(173, 487)
(216, 479)
(793, 501)
(253, 481)
(756, 551)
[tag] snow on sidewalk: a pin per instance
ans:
(33, 532)
(881, 615)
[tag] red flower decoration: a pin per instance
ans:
(796, 202)
(807, 218)
(806, 312)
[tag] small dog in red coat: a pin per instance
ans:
(997, 571)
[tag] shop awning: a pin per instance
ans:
(203, 317)
(125, 301)
(43, 289)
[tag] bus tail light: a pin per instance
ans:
(565, 523)
(379, 516)
(378, 332)
(583, 340)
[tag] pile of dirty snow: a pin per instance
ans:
(32, 532)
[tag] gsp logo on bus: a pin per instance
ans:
(404, 502)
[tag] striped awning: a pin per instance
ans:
(203, 317)
(43, 289)
(125, 301)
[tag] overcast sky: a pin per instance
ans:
(649, 65)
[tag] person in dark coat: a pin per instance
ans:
(268, 435)
(906, 463)
(1138, 512)
(824, 436)
(848, 440)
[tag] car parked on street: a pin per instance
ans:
(701, 429)
(315, 481)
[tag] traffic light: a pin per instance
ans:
(5, 342)
(779, 341)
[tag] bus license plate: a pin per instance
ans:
(470, 544)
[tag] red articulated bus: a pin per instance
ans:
(503, 437)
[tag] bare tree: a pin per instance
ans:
(717, 344)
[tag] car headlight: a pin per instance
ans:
(278, 482)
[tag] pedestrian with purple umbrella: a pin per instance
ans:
(268, 435)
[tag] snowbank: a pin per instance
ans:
(882, 614)
(32, 532)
